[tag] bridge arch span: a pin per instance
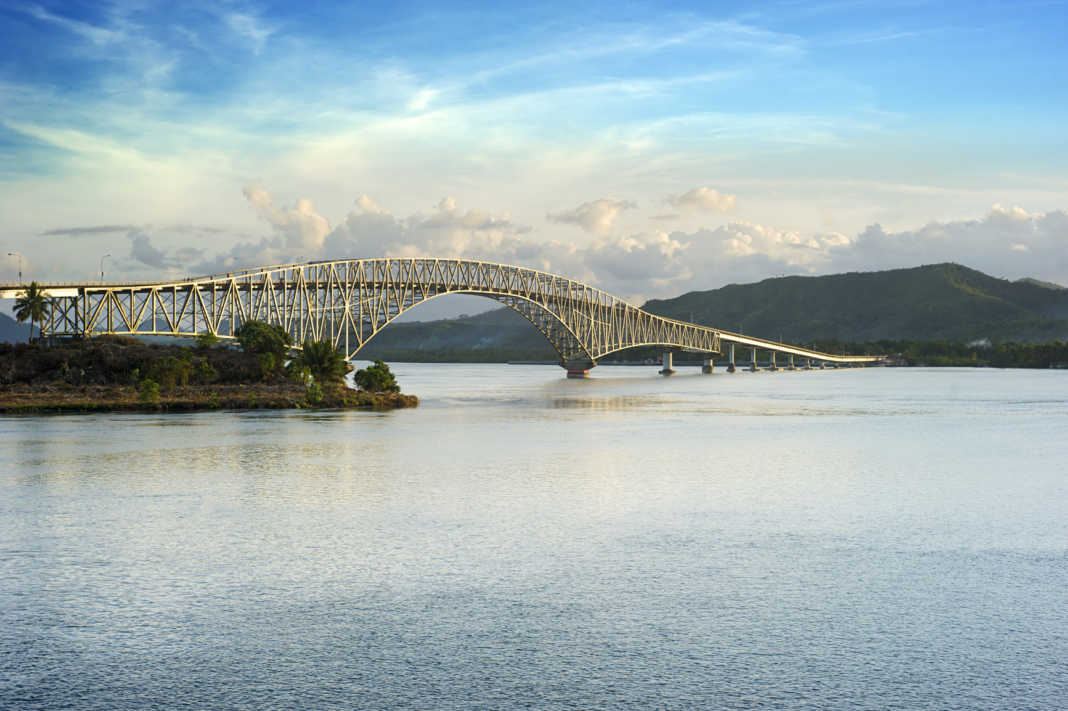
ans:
(348, 301)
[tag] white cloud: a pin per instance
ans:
(422, 99)
(1007, 242)
(702, 198)
(447, 232)
(597, 217)
(368, 205)
(302, 227)
(143, 251)
(990, 244)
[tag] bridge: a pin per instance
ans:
(349, 301)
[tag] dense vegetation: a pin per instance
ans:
(110, 372)
(376, 378)
(114, 360)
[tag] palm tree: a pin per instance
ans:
(33, 304)
(323, 361)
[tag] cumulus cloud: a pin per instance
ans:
(597, 217)
(638, 259)
(301, 227)
(446, 232)
(144, 251)
(703, 199)
(991, 244)
(368, 205)
(1008, 242)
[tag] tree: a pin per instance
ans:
(32, 304)
(323, 361)
(268, 343)
(207, 340)
(258, 337)
(376, 378)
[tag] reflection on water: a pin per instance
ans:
(619, 402)
(852, 539)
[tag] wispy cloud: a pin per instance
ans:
(86, 231)
(251, 28)
(97, 35)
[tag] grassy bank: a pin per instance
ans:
(24, 399)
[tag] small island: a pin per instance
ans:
(117, 374)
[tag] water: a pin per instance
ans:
(882, 538)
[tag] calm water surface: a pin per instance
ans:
(882, 538)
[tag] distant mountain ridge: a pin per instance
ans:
(11, 331)
(933, 302)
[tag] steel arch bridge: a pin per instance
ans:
(349, 301)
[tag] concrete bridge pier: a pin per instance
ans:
(752, 364)
(772, 366)
(808, 364)
(730, 365)
(578, 368)
(823, 365)
(708, 366)
(666, 362)
(792, 366)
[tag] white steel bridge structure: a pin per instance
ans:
(348, 301)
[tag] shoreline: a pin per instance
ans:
(52, 399)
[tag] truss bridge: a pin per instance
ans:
(349, 301)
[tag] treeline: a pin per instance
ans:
(265, 357)
(1006, 354)
(114, 360)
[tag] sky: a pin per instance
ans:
(648, 149)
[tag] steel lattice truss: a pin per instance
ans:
(349, 301)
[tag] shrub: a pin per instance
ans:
(268, 364)
(260, 337)
(377, 378)
(313, 394)
(298, 373)
(149, 390)
(207, 372)
(325, 363)
(207, 340)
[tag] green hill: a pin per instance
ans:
(491, 337)
(935, 302)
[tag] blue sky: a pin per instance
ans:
(651, 149)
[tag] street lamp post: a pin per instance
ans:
(102, 266)
(16, 254)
